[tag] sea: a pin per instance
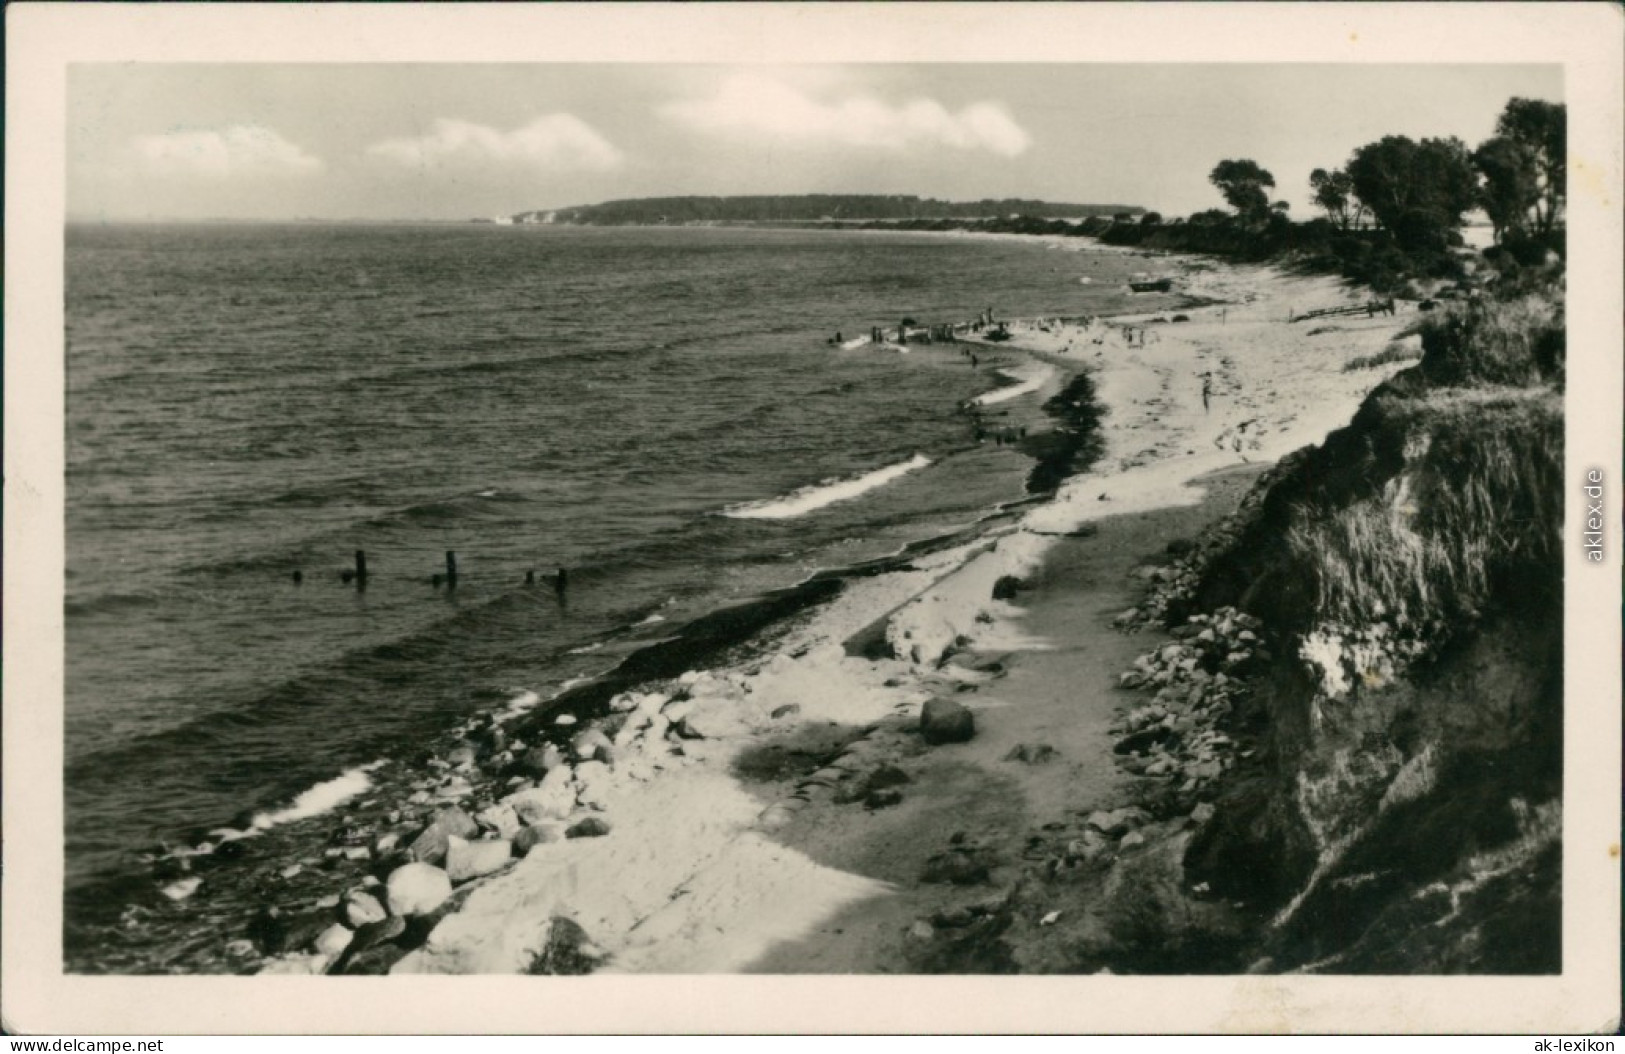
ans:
(661, 412)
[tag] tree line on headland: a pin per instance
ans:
(807, 208)
(1393, 212)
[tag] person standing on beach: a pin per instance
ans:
(1207, 390)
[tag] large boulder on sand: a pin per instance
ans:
(500, 818)
(430, 845)
(591, 827)
(1007, 587)
(334, 939)
(466, 860)
(713, 717)
(361, 908)
(539, 761)
(945, 721)
(417, 889)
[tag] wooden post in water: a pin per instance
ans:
(451, 569)
(361, 569)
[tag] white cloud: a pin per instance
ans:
(557, 141)
(242, 149)
(754, 105)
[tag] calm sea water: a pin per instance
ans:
(245, 402)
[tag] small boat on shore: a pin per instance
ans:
(1152, 285)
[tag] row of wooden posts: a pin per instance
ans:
(359, 574)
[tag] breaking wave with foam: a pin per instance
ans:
(813, 498)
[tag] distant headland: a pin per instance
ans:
(803, 208)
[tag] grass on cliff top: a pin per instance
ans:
(1517, 342)
(1396, 351)
(1475, 514)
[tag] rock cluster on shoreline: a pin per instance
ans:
(491, 801)
(1196, 678)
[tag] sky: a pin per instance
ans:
(459, 141)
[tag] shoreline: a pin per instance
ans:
(703, 775)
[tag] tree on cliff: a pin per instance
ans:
(1541, 129)
(1511, 189)
(1243, 183)
(1334, 192)
(1418, 191)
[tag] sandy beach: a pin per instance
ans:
(785, 814)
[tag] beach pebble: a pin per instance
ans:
(592, 745)
(334, 939)
(553, 799)
(1202, 813)
(417, 889)
(945, 721)
(591, 827)
(500, 818)
(534, 835)
(1132, 839)
(361, 908)
(1031, 753)
(565, 719)
(466, 860)
(539, 761)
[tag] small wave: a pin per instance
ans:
(1013, 391)
(321, 798)
(518, 705)
(586, 649)
(651, 620)
(808, 499)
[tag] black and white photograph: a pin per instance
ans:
(1099, 505)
